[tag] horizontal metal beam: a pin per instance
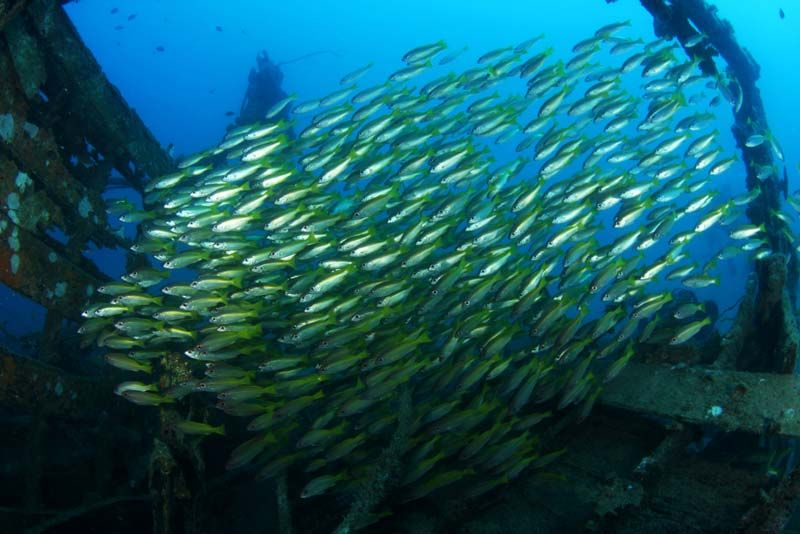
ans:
(36, 270)
(729, 400)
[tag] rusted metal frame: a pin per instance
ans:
(10, 9)
(684, 19)
(111, 126)
(31, 386)
(37, 212)
(38, 156)
(42, 274)
(750, 118)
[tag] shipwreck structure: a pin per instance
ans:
(74, 454)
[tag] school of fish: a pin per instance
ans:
(497, 241)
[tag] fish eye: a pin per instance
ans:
(594, 288)
(466, 302)
(357, 214)
(435, 292)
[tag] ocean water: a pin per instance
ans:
(184, 92)
(183, 66)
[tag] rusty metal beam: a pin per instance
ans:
(31, 206)
(41, 273)
(32, 386)
(729, 400)
(110, 124)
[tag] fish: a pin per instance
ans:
(195, 428)
(449, 58)
(688, 310)
(146, 398)
(686, 333)
(320, 485)
(354, 75)
(342, 253)
(423, 53)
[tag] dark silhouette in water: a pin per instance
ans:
(263, 91)
(781, 13)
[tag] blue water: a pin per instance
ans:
(171, 89)
(183, 92)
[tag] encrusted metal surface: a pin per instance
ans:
(729, 400)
